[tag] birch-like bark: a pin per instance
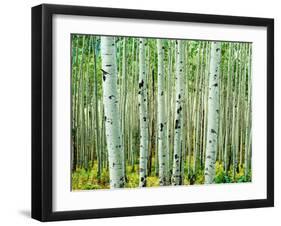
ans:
(248, 135)
(195, 113)
(161, 116)
(123, 103)
(97, 127)
(111, 113)
(176, 178)
(234, 114)
(142, 98)
(227, 109)
(213, 113)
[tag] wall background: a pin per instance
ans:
(15, 119)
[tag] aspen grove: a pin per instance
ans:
(159, 112)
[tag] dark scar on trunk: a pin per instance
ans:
(213, 131)
(141, 84)
(161, 126)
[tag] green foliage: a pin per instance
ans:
(221, 175)
(87, 180)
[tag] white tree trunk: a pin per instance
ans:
(161, 116)
(176, 178)
(111, 113)
(248, 135)
(213, 113)
(142, 98)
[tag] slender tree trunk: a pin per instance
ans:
(176, 179)
(111, 113)
(98, 149)
(195, 113)
(161, 116)
(227, 110)
(213, 113)
(123, 103)
(248, 135)
(142, 97)
(235, 116)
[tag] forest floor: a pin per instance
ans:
(88, 180)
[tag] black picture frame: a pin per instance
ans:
(42, 111)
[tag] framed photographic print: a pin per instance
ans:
(146, 112)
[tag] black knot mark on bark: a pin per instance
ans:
(104, 73)
(213, 131)
(179, 96)
(139, 92)
(217, 110)
(180, 70)
(163, 47)
(215, 85)
(177, 124)
(162, 93)
(161, 126)
(111, 96)
(179, 109)
(210, 141)
(142, 179)
(144, 119)
(108, 65)
(141, 84)
(104, 118)
(208, 157)
(217, 49)
(140, 41)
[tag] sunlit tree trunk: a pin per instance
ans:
(213, 113)
(161, 116)
(176, 178)
(111, 113)
(143, 117)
